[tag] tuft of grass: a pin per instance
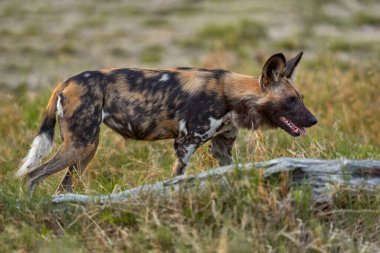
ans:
(93, 22)
(68, 49)
(12, 9)
(156, 22)
(183, 9)
(293, 43)
(350, 46)
(119, 51)
(234, 36)
(363, 18)
(152, 54)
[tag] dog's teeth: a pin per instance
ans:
(291, 126)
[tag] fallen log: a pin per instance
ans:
(320, 174)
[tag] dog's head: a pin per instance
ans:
(282, 104)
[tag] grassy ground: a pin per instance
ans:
(44, 42)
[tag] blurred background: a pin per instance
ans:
(45, 42)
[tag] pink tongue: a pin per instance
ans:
(302, 130)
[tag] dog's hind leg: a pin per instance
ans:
(79, 110)
(66, 156)
(79, 167)
(80, 132)
(66, 184)
(62, 159)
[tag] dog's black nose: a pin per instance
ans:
(313, 121)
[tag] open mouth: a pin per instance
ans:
(291, 128)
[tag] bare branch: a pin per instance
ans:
(321, 174)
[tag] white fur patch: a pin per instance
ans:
(164, 78)
(59, 107)
(202, 136)
(111, 122)
(189, 151)
(260, 80)
(40, 147)
(85, 75)
(104, 115)
(214, 125)
(232, 116)
(182, 127)
(129, 127)
(276, 74)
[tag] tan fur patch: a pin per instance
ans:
(164, 130)
(191, 82)
(72, 98)
(51, 107)
(282, 91)
(168, 124)
(241, 86)
(106, 71)
(65, 132)
(150, 73)
(123, 91)
(213, 86)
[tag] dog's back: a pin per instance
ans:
(148, 104)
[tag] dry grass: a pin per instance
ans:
(43, 43)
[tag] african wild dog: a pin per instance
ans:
(188, 105)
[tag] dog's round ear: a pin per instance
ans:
(292, 64)
(273, 69)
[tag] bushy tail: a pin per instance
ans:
(43, 142)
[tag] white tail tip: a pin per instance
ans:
(40, 147)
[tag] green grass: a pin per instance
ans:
(366, 19)
(245, 213)
(152, 54)
(42, 44)
(237, 36)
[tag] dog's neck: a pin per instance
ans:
(242, 93)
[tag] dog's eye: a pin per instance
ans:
(291, 100)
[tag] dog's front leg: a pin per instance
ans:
(185, 147)
(221, 147)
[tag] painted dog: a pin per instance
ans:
(191, 106)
